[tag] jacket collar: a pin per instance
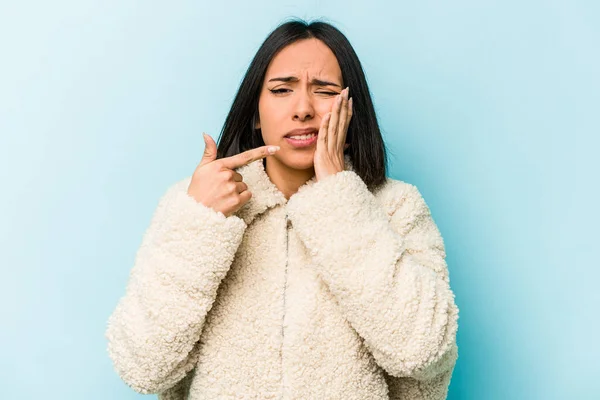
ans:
(264, 192)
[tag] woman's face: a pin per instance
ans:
(300, 86)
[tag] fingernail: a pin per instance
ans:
(273, 149)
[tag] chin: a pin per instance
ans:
(300, 160)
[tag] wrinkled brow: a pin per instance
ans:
(315, 81)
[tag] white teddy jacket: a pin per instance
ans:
(336, 293)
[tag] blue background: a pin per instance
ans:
(490, 108)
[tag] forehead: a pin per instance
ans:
(309, 56)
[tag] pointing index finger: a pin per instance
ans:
(248, 156)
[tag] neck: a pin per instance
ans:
(286, 179)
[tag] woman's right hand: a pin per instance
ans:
(215, 183)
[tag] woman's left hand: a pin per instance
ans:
(331, 140)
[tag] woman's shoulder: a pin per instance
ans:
(394, 194)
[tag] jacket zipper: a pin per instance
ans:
(287, 227)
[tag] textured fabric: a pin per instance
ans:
(336, 293)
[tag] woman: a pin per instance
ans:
(300, 273)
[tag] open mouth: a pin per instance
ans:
(301, 140)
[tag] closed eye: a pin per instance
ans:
(278, 91)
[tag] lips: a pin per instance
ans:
(299, 132)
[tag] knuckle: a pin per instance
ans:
(223, 175)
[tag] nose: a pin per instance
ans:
(304, 109)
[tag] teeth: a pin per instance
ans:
(304, 137)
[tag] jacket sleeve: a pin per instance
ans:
(185, 253)
(387, 272)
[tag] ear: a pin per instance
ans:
(257, 124)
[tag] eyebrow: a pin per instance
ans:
(315, 81)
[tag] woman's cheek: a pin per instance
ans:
(324, 107)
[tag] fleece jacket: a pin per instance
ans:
(335, 293)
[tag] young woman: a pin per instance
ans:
(298, 273)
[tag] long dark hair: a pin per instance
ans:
(367, 149)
